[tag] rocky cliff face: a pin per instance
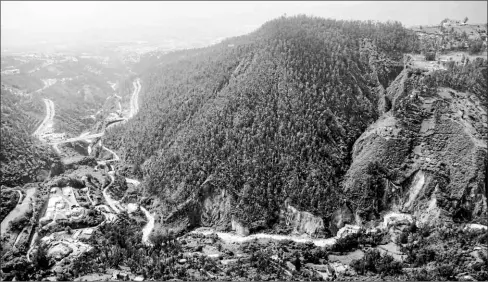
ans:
(210, 208)
(424, 157)
(301, 221)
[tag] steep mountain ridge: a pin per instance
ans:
(259, 119)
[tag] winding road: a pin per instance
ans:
(118, 207)
(47, 123)
(115, 205)
(48, 120)
(116, 157)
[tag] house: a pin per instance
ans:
(61, 218)
(449, 22)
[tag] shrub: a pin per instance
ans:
(482, 275)
(475, 47)
(19, 223)
(412, 228)
(40, 259)
(353, 241)
(421, 275)
(62, 182)
(430, 56)
(446, 271)
(374, 262)
(261, 260)
(425, 231)
(347, 243)
(423, 256)
(403, 238)
(75, 183)
(314, 255)
(387, 265)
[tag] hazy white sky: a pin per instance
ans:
(74, 16)
(59, 15)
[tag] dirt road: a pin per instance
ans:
(111, 202)
(234, 238)
(116, 157)
(146, 231)
(118, 207)
(132, 181)
(134, 99)
(79, 138)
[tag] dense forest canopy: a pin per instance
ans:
(267, 116)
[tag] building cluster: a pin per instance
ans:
(449, 23)
(445, 39)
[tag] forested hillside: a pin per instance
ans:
(23, 158)
(267, 116)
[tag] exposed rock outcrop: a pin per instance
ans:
(215, 206)
(300, 221)
(211, 207)
(424, 157)
(340, 218)
(239, 227)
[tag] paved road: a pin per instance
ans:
(48, 120)
(79, 138)
(134, 107)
